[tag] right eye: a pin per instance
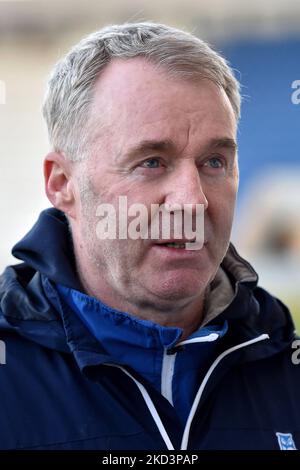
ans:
(151, 163)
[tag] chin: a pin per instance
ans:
(176, 288)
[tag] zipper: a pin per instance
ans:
(153, 410)
(201, 339)
(167, 372)
(168, 364)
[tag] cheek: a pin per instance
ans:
(221, 207)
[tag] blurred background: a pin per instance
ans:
(261, 39)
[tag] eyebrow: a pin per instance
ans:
(167, 145)
(150, 145)
(225, 142)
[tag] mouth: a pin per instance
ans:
(179, 244)
(174, 245)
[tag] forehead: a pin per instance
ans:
(137, 100)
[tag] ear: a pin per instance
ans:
(59, 183)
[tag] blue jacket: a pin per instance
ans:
(62, 388)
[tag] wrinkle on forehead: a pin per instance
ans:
(135, 101)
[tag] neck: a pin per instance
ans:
(186, 314)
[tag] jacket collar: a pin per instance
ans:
(48, 249)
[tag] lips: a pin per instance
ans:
(174, 244)
(177, 241)
(179, 244)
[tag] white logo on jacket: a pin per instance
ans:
(286, 441)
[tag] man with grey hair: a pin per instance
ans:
(120, 340)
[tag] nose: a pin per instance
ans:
(185, 188)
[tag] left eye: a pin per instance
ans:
(215, 162)
(151, 163)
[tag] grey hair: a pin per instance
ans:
(71, 84)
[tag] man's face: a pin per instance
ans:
(158, 140)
